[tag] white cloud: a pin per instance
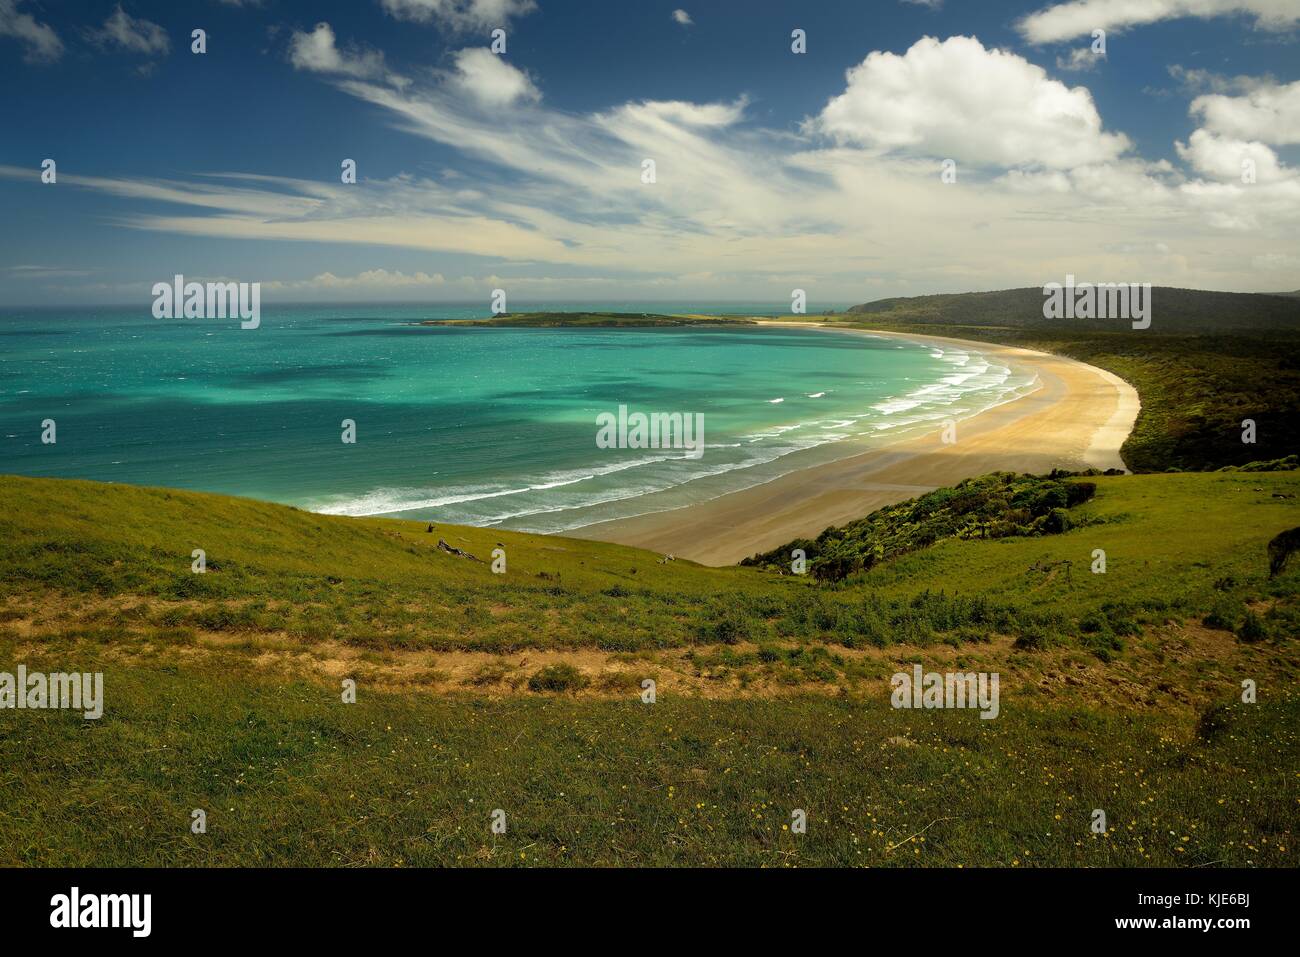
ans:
(131, 34)
(1080, 60)
(317, 52)
(1222, 157)
(459, 14)
(1078, 18)
(742, 211)
(1268, 112)
(682, 17)
(1199, 81)
(41, 44)
(373, 279)
(956, 99)
(490, 80)
(932, 4)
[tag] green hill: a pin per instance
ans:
(522, 690)
(1174, 311)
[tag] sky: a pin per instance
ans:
(915, 146)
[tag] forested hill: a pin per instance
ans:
(1172, 311)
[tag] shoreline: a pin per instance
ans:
(1078, 418)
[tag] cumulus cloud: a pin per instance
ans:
(1223, 157)
(317, 52)
(1236, 132)
(40, 43)
(490, 80)
(459, 14)
(132, 34)
(682, 17)
(957, 99)
(1066, 21)
(1268, 112)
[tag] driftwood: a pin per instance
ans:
(453, 550)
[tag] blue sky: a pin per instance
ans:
(773, 170)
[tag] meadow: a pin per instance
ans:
(523, 691)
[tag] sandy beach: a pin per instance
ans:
(1077, 419)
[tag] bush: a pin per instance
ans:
(729, 627)
(559, 677)
(1214, 720)
(1252, 628)
(1224, 614)
(1032, 639)
(1057, 521)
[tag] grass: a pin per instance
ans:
(288, 775)
(1120, 690)
(115, 561)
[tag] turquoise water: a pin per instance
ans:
(475, 426)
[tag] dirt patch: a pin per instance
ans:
(1179, 666)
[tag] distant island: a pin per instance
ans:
(597, 319)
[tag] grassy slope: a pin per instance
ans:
(98, 576)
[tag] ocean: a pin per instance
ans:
(491, 426)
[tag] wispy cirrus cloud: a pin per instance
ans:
(125, 32)
(40, 43)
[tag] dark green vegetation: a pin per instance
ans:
(991, 506)
(522, 691)
(1174, 311)
(1209, 361)
(601, 319)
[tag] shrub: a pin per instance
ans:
(1252, 628)
(561, 677)
(1057, 521)
(1224, 614)
(1213, 721)
(1032, 639)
